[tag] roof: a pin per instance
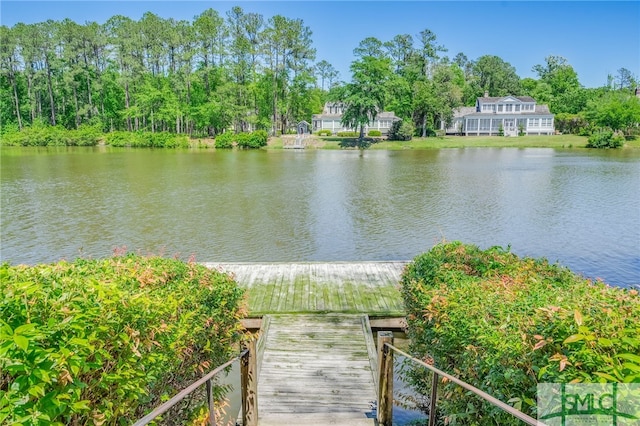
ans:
(491, 99)
(462, 111)
(389, 115)
(327, 116)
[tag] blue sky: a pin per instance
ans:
(597, 38)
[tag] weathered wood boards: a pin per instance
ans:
(316, 371)
(349, 287)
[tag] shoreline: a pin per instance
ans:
(313, 142)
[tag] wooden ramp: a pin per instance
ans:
(318, 287)
(317, 370)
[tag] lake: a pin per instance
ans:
(578, 207)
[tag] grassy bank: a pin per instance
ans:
(555, 141)
(92, 136)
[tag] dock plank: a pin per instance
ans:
(314, 287)
(316, 370)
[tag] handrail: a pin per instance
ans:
(383, 395)
(206, 379)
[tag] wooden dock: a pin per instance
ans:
(315, 287)
(317, 370)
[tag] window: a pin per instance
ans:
(522, 122)
(499, 107)
(534, 122)
(496, 123)
(517, 107)
(485, 124)
(508, 107)
(472, 124)
(546, 122)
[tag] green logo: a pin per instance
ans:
(616, 404)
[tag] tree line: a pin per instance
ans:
(244, 72)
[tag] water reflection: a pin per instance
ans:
(580, 208)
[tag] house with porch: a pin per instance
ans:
(331, 118)
(512, 114)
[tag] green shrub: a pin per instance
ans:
(504, 324)
(324, 132)
(375, 133)
(605, 139)
(401, 131)
(145, 139)
(570, 123)
(252, 140)
(501, 131)
(224, 140)
(40, 134)
(104, 341)
(85, 135)
(348, 134)
(521, 130)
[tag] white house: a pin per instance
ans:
(514, 114)
(331, 117)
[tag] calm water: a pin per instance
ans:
(581, 209)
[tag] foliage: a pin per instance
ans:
(401, 131)
(243, 71)
(504, 324)
(374, 133)
(147, 140)
(224, 140)
(43, 135)
(493, 75)
(104, 341)
(570, 123)
(615, 110)
(324, 132)
(605, 139)
(252, 140)
(366, 95)
(347, 134)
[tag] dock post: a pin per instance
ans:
(249, 384)
(385, 378)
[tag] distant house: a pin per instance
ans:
(331, 117)
(514, 114)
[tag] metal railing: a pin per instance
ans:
(385, 385)
(248, 384)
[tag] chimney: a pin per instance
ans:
(486, 93)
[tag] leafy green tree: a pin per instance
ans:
(326, 72)
(625, 79)
(9, 67)
(370, 46)
(400, 49)
(493, 75)
(366, 95)
(559, 86)
(615, 110)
